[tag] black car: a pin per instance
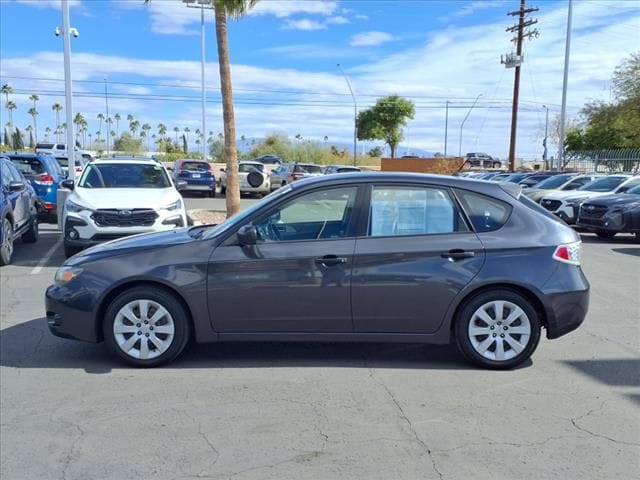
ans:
(612, 214)
(18, 209)
(361, 257)
(268, 160)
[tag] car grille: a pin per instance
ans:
(552, 205)
(137, 217)
(592, 211)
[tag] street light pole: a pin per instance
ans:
(546, 135)
(66, 32)
(563, 109)
(446, 126)
(355, 115)
(202, 4)
(462, 125)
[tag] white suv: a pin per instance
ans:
(119, 197)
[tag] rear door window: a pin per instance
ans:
(486, 214)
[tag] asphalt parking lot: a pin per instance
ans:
(321, 411)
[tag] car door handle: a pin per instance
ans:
(330, 260)
(457, 254)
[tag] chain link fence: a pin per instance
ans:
(604, 161)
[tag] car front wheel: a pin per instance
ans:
(605, 234)
(31, 235)
(146, 327)
(6, 247)
(497, 329)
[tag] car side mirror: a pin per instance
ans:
(247, 235)
(16, 186)
(181, 184)
(68, 184)
(170, 169)
(222, 169)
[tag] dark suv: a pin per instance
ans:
(197, 175)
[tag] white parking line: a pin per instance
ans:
(47, 257)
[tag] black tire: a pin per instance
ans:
(70, 251)
(6, 242)
(223, 189)
(31, 235)
(605, 234)
(466, 315)
(212, 194)
(169, 302)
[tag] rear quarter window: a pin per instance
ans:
(485, 213)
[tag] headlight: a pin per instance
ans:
(177, 205)
(631, 206)
(66, 274)
(75, 207)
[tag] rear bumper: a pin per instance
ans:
(198, 188)
(68, 321)
(566, 300)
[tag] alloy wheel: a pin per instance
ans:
(143, 329)
(499, 330)
(7, 240)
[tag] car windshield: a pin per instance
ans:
(300, 168)
(347, 169)
(250, 167)
(28, 166)
(555, 181)
(635, 190)
(515, 178)
(124, 175)
(195, 166)
(533, 180)
(605, 184)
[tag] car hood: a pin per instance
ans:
(144, 241)
(574, 194)
(618, 199)
(124, 198)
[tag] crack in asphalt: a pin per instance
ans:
(68, 459)
(574, 422)
(406, 419)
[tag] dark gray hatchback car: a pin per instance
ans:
(363, 257)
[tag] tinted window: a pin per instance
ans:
(412, 211)
(195, 166)
(308, 169)
(635, 190)
(316, 215)
(533, 180)
(124, 175)
(47, 146)
(6, 174)
(347, 169)
(28, 166)
(629, 185)
(555, 181)
(605, 184)
(250, 167)
(486, 214)
(578, 182)
(15, 173)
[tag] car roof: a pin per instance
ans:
(124, 160)
(191, 160)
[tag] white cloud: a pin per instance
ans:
(304, 24)
(370, 39)
(360, 16)
(288, 8)
(337, 20)
(472, 7)
(48, 3)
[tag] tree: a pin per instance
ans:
(145, 132)
(176, 130)
(30, 130)
(127, 143)
(384, 121)
(78, 121)
(117, 118)
(7, 90)
(186, 132)
(47, 131)
(375, 152)
(133, 127)
(56, 107)
(34, 98)
(162, 130)
(185, 147)
(11, 106)
(7, 139)
(626, 78)
(18, 142)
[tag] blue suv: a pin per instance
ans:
(18, 210)
(45, 176)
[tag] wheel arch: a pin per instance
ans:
(123, 287)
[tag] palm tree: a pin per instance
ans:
(133, 126)
(162, 130)
(7, 89)
(176, 130)
(34, 113)
(186, 132)
(56, 107)
(34, 98)
(78, 121)
(30, 130)
(100, 117)
(117, 118)
(90, 136)
(145, 129)
(47, 131)
(11, 106)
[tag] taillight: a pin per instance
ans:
(569, 253)
(44, 179)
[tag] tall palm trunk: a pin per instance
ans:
(233, 184)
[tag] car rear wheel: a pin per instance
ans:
(497, 329)
(31, 235)
(605, 234)
(146, 327)
(6, 247)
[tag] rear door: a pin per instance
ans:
(417, 254)
(21, 201)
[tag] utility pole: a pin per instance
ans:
(511, 61)
(446, 127)
(546, 136)
(563, 110)
(355, 114)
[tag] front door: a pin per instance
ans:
(297, 278)
(418, 253)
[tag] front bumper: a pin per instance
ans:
(611, 221)
(70, 321)
(567, 213)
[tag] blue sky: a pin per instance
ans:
(284, 57)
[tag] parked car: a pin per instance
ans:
(561, 182)
(488, 175)
(290, 172)
(612, 214)
(60, 149)
(45, 174)
(362, 257)
(501, 177)
(63, 161)
(117, 198)
(269, 160)
(479, 159)
(534, 179)
(565, 204)
(253, 179)
(329, 169)
(18, 210)
(197, 175)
